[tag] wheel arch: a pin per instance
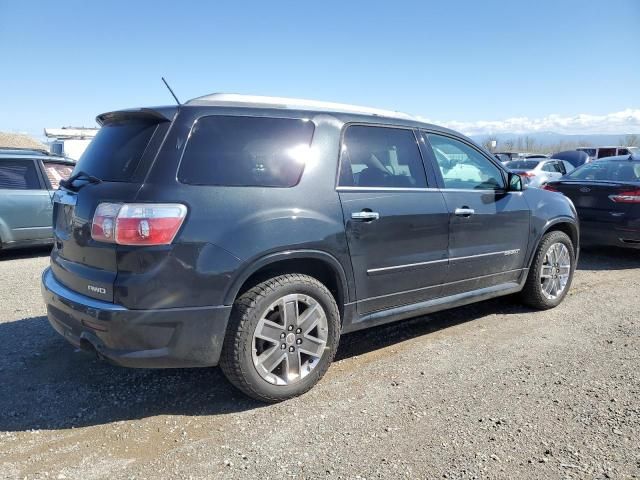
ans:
(316, 263)
(566, 225)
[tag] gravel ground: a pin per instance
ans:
(486, 391)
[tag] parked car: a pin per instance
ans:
(596, 153)
(574, 157)
(606, 194)
(538, 172)
(251, 232)
(27, 181)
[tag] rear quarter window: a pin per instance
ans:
(246, 151)
(18, 175)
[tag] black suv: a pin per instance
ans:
(252, 232)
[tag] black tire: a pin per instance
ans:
(532, 294)
(236, 359)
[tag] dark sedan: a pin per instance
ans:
(606, 194)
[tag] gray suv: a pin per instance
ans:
(251, 232)
(28, 179)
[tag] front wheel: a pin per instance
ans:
(551, 272)
(281, 338)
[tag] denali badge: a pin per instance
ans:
(100, 290)
(512, 252)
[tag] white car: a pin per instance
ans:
(536, 172)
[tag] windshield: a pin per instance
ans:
(115, 152)
(522, 164)
(603, 170)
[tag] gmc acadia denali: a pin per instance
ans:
(251, 232)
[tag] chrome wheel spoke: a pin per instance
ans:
(294, 367)
(269, 331)
(548, 287)
(313, 346)
(547, 271)
(289, 309)
(270, 359)
(310, 318)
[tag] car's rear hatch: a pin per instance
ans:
(594, 200)
(120, 157)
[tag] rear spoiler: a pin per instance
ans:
(159, 114)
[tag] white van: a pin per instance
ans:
(602, 152)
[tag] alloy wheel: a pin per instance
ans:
(290, 339)
(555, 271)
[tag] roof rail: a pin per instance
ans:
(26, 150)
(234, 99)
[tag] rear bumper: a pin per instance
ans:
(161, 338)
(613, 235)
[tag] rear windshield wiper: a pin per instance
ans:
(68, 183)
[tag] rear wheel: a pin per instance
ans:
(551, 272)
(282, 337)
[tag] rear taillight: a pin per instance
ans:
(137, 223)
(550, 188)
(631, 196)
(527, 174)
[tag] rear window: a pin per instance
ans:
(522, 164)
(246, 151)
(624, 171)
(19, 175)
(56, 172)
(116, 150)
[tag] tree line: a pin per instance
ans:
(529, 144)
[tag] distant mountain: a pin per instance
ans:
(551, 139)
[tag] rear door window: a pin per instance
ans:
(381, 157)
(115, 152)
(56, 172)
(549, 167)
(19, 175)
(246, 151)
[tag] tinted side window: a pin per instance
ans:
(246, 151)
(380, 157)
(19, 175)
(464, 167)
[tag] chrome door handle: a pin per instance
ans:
(364, 215)
(464, 212)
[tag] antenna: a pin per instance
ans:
(174, 95)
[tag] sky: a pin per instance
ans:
(492, 66)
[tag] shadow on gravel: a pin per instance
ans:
(372, 339)
(47, 384)
(32, 252)
(608, 258)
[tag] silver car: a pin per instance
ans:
(538, 171)
(28, 179)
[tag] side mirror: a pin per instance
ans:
(515, 183)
